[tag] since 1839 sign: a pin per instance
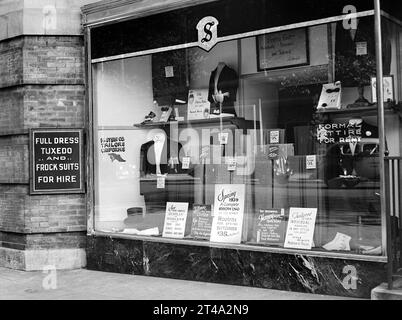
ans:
(56, 161)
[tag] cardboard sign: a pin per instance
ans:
(202, 222)
(198, 105)
(56, 161)
(175, 219)
(271, 226)
(227, 222)
(300, 230)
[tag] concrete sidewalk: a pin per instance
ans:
(83, 284)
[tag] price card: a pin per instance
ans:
(274, 136)
(169, 73)
(223, 137)
(361, 48)
(311, 162)
(160, 182)
(186, 163)
(232, 163)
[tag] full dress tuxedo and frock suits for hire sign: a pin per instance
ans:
(57, 161)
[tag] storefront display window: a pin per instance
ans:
(268, 140)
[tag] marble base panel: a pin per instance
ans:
(282, 271)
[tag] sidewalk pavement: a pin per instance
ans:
(84, 284)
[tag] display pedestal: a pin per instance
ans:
(178, 188)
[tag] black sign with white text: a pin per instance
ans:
(56, 161)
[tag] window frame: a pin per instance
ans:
(104, 15)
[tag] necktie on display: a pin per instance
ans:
(218, 73)
(159, 141)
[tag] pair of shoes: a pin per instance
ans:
(216, 111)
(149, 117)
(343, 181)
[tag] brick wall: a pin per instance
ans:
(20, 241)
(41, 85)
(41, 60)
(53, 106)
(54, 213)
(21, 212)
(12, 206)
(32, 106)
(14, 159)
(11, 110)
(11, 69)
(53, 60)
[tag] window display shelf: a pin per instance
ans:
(371, 110)
(211, 121)
(115, 128)
(240, 122)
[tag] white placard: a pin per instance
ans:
(361, 48)
(311, 162)
(169, 73)
(175, 219)
(300, 230)
(227, 221)
(198, 105)
(223, 137)
(388, 88)
(231, 163)
(160, 182)
(186, 163)
(274, 136)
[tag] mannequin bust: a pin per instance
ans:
(223, 84)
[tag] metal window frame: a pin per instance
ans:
(176, 4)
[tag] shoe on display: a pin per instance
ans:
(340, 242)
(373, 251)
(149, 117)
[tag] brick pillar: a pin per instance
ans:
(41, 85)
